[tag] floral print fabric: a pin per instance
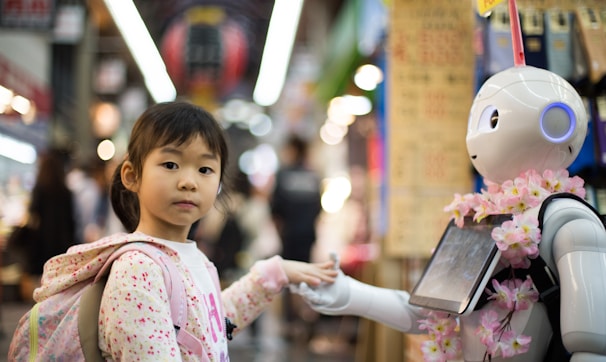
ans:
(135, 323)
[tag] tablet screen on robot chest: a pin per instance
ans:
(460, 267)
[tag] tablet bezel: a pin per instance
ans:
(490, 258)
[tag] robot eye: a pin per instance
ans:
(489, 119)
(494, 119)
(558, 122)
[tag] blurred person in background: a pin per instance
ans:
(260, 241)
(90, 189)
(295, 206)
(89, 184)
(220, 237)
(254, 216)
(51, 213)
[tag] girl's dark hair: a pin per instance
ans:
(299, 146)
(160, 125)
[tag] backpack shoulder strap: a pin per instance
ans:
(88, 321)
(566, 195)
(90, 302)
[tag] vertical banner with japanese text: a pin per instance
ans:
(431, 88)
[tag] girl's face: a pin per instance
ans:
(178, 185)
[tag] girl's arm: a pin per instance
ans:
(245, 299)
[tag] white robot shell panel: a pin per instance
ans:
(525, 118)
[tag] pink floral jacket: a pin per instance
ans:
(135, 322)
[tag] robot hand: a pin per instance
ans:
(347, 296)
(326, 298)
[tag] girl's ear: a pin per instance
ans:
(129, 176)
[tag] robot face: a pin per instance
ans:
(525, 118)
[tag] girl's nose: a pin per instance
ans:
(187, 182)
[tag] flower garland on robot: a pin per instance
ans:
(518, 241)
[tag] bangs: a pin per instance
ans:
(182, 126)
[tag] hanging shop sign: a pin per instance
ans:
(27, 14)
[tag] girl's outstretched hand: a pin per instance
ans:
(311, 273)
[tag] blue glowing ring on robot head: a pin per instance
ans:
(558, 122)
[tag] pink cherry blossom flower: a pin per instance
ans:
(553, 181)
(452, 347)
(432, 351)
(459, 208)
(575, 186)
(505, 205)
(529, 226)
(438, 323)
(482, 205)
(532, 176)
(509, 240)
(492, 187)
(525, 294)
(502, 295)
(510, 188)
(536, 192)
(503, 232)
(518, 239)
(489, 323)
(512, 344)
(444, 342)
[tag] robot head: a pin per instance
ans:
(525, 118)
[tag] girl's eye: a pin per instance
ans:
(170, 165)
(206, 170)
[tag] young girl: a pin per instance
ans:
(170, 178)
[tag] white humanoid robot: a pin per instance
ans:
(522, 118)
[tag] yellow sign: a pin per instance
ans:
(485, 6)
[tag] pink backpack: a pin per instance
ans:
(64, 327)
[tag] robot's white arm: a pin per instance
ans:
(347, 296)
(577, 240)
